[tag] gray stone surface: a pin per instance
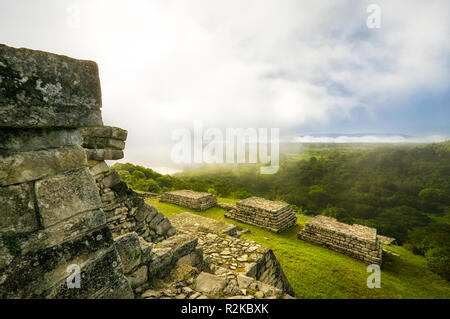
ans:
(76, 191)
(139, 277)
(41, 89)
(209, 284)
(37, 139)
(104, 154)
(105, 131)
(28, 166)
(50, 202)
(194, 223)
(93, 142)
(272, 215)
(100, 168)
(357, 241)
(19, 116)
(244, 281)
(233, 255)
(17, 209)
(129, 249)
(194, 200)
(111, 179)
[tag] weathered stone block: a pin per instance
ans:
(129, 249)
(110, 180)
(244, 281)
(272, 215)
(181, 245)
(17, 209)
(94, 142)
(101, 277)
(107, 196)
(357, 241)
(37, 139)
(163, 227)
(195, 200)
(156, 220)
(33, 274)
(99, 168)
(161, 259)
(67, 230)
(105, 131)
(209, 284)
(41, 89)
(104, 154)
(19, 116)
(139, 277)
(28, 166)
(146, 249)
(77, 192)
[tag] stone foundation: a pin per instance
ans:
(230, 256)
(357, 241)
(194, 200)
(271, 215)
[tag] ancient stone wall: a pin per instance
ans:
(271, 215)
(125, 210)
(187, 198)
(61, 203)
(230, 256)
(62, 206)
(357, 241)
(51, 208)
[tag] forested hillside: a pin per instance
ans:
(403, 191)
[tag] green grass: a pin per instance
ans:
(317, 272)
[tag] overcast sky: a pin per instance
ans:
(306, 67)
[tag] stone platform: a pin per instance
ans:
(187, 198)
(194, 223)
(272, 215)
(230, 256)
(357, 241)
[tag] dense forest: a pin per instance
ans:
(403, 191)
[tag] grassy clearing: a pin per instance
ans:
(316, 272)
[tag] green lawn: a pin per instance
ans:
(316, 272)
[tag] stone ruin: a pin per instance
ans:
(271, 215)
(232, 258)
(187, 198)
(51, 208)
(62, 206)
(125, 210)
(357, 241)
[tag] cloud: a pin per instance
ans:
(367, 139)
(164, 64)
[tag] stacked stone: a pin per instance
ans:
(51, 209)
(271, 215)
(185, 282)
(143, 260)
(230, 256)
(357, 241)
(125, 210)
(198, 201)
(104, 142)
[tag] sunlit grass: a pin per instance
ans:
(317, 272)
